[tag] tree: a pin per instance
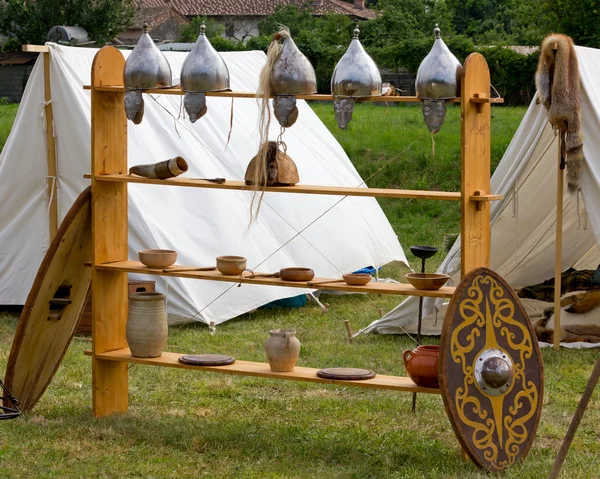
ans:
(191, 31)
(28, 21)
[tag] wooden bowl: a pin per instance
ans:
(231, 264)
(357, 279)
(157, 258)
(429, 281)
(296, 274)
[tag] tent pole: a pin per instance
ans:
(52, 178)
(559, 231)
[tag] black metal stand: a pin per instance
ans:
(422, 252)
(8, 404)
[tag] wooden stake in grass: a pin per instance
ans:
(583, 403)
(349, 331)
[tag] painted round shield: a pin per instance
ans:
(491, 372)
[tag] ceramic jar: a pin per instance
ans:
(422, 365)
(282, 349)
(147, 328)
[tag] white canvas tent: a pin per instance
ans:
(523, 224)
(330, 234)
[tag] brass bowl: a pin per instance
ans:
(157, 258)
(357, 279)
(427, 281)
(296, 274)
(231, 264)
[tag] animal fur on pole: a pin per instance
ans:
(558, 84)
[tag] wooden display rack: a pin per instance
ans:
(110, 355)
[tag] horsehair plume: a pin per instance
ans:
(259, 179)
(558, 84)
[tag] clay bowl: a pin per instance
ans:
(296, 274)
(428, 281)
(357, 279)
(231, 264)
(157, 258)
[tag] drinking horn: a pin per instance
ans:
(146, 67)
(291, 74)
(356, 75)
(162, 170)
(203, 70)
(438, 80)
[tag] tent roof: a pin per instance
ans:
(292, 230)
(524, 223)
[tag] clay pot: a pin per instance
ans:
(429, 281)
(422, 365)
(296, 274)
(231, 264)
(157, 258)
(147, 328)
(357, 279)
(282, 349)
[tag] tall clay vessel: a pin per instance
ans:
(422, 365)
(282, 349)
(147, 328)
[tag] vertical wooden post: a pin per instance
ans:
(475, 164)
(558, 244)
(50, 150)
(109, 230)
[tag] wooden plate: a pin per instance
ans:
(206, 359)
(52, 309)
(345, 373)
(490, 371)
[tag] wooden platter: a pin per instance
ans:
(52, 309)
(348, 374)
(490, 371)
(206, 359)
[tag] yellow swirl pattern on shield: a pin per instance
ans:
(492, 429)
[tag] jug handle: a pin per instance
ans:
(406, 356)
(287, 340)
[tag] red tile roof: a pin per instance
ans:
(258, 7)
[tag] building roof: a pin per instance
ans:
(154, 12)
(258, 7)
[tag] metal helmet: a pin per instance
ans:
(355, 75)
(438, 79)
(292, 74)
(203, 70)
(146, 67)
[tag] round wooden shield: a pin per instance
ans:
(52, 309)
(491, 372)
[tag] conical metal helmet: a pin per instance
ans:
(146, 67)
(438, 79)
(355, 75)
(203, 70)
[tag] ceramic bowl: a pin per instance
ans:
(296, 274)
(357, 279)
(157, 258)
(231, 264)
(427, 281)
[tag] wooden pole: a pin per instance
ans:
(558, 245)
(583, 403)
(348, 331)
(52, 179)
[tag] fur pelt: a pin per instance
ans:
(558, 84)
(587, 333)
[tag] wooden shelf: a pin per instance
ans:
(249, 368)
(305, 189)
(373, 287)
(318, 97)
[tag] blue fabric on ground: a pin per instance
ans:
(366, 269)
(293, 302)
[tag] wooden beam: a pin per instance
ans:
(52, 177)
(475, 168)
(35, 48)
(558, 243)
(109, 232)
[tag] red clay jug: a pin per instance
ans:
(422, 365)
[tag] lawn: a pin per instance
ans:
(183, 424)
(7, 117)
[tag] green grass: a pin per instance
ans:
(7, 117)
(183, 424)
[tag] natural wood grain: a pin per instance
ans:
(249, 368)
(35, 49)
(51, 180)
(560, 183)
(475, 165)
(303, 189)
(109, 229)
(44, 333)
(372, 287)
